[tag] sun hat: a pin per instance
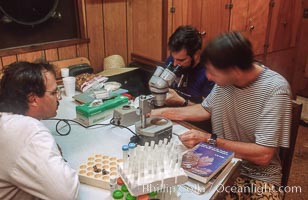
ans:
(114, 65)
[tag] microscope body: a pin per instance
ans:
(160, 82)
(156, 128)
(151, 128)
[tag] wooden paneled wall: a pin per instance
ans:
(106, 27)
(300, 77)
(109, 29)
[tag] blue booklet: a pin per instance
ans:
(204, 161)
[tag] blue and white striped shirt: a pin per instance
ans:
(259, 113)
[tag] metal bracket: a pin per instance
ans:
(172, 9)
(229, 6)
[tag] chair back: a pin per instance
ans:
(286, 154)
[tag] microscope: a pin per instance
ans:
(156, 128)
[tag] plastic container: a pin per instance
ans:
(120, 182)
(113, 183)
(124, 189)
(153, 195)
(130, 197)
(117, 195)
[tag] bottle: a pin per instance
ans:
(124, 190)
(117, 195)
(120, 182)
(113, 183)
(125, 157)
(143, 197)
(153, 195)
(130, 197)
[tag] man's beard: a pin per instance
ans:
(192, 63)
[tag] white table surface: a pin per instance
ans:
(82, 143)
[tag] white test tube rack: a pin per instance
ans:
(152, 167)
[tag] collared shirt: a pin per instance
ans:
(192, 83)
(31, 164)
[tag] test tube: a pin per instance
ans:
(113, 183)
(132, 148)
(125, 157)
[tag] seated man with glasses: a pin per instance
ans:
(31, 164)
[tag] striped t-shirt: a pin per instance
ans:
(259, 113)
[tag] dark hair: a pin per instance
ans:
(19, 80)
(185, 37)
(229, 50)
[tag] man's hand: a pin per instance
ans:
(173, 99)
(193, 137)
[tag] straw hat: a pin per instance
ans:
(114, 65)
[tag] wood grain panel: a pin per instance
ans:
(170, 20)
(51, 55)
(306, 68)
(8, 60)
(129, 20)
(283, 62)
(32, 56)
(147, 28)
(250, 18)
(301, 71)
(257, 18)
(94, 20)
(194, 13)
(180, 12)
(115, 30)
(215, 18)
(296, 21)
(285, 24)
(187, 12)
(82, 50)
(239, 15)
(67, 52)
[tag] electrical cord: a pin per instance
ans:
(66, 121)
(134, 139)
(112, 122)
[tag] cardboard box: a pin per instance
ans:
(88, 114)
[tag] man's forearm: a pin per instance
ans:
(190, 113)
(258, 154)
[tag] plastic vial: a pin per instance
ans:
(125, 156)
(153, 195)
(113, 183)
(130, 197)
(117, 194)
(120, 182)
(131, 146)
(124, 189)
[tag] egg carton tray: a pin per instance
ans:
(98, 169)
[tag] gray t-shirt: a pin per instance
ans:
(259, 113)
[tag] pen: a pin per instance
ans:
(176, 134)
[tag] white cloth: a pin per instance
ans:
(31, 164)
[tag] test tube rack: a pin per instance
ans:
(98, 169)
(152, 167)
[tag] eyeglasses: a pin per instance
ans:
(56, 93)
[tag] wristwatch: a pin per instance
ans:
(212, 140)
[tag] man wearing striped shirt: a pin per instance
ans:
(250, 110)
